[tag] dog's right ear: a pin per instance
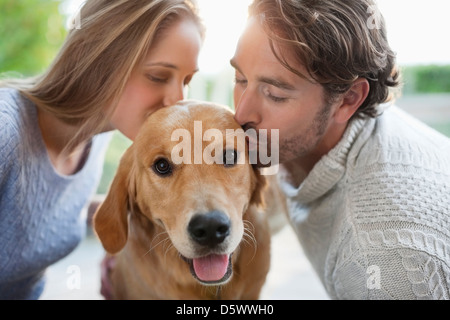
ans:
(111, 218)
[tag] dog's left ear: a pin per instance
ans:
(111, 218)
(259, 184)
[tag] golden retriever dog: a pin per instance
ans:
(182, 214)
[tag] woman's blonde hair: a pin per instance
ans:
(85, 81)
(338, 41)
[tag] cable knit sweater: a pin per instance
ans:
(373, 216)
(40, 210)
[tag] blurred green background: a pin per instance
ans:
(31, 32)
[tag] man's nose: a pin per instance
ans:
(248, 109)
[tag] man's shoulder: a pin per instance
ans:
(400, 123)
(400, 177)
(398, 139)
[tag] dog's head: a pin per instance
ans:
(188, 172)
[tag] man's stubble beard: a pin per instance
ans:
(302, 144)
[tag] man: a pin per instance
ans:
(367, 187)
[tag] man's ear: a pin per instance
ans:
(111, 218)
(352, 100)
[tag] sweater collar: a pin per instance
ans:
(329, 170)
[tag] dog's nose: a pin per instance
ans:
(209, 229)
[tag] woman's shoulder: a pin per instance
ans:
(9, 95)
(9, 112)
(14, 119)
(10, 107)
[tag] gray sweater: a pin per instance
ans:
(373, 216)
(41, 218)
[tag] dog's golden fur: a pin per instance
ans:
(145, 216)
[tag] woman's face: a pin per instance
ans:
(162, 78)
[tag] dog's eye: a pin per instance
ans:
(162, 167)
(230, 158)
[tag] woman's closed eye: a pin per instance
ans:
(188, 80)
(157, 79)
(240, 81)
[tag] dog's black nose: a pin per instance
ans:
(209, 229)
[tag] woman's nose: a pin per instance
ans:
(174, 94)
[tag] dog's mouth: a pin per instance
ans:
(212, 269)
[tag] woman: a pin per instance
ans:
(124, 61)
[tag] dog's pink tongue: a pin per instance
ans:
(211, 268)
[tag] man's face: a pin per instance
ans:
(269, 96)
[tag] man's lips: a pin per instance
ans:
(211, 269)
(252, 143)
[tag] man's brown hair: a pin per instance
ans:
(338, 41)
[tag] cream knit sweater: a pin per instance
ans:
(373, 216)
